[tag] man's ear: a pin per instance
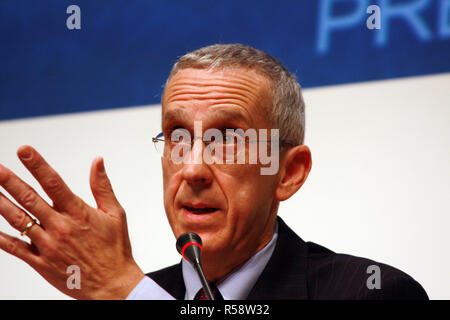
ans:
(294, 169)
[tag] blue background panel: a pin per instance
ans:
(124, 50)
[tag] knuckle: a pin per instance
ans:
(4, 176)
(12, 246)
(29, 198)
(49, 251)
(77, 207)
(53, 184)
(103, 185)
(18, 221)
(85, 219)
(61, 231)
(34, 164)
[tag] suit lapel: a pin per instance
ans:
(284, 276)
(171, 280)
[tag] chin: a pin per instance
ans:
(213, 244)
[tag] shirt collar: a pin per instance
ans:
(237, 284)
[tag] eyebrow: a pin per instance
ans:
(174, 114)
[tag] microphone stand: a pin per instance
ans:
(205, 283)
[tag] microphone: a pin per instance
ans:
(189, 245)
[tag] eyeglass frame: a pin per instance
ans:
(157, 139)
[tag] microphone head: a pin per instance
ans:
(189, 245)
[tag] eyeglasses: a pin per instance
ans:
(222, 147)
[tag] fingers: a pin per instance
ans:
(20, 249)
(49, 179)
(102, 189)
(19, 220)
(25, 195)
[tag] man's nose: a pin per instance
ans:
(196, 171)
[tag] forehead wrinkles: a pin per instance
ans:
(246, 88)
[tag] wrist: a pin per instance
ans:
(121, 285)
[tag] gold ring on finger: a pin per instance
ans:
(28, 227)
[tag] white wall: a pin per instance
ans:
(378, 188)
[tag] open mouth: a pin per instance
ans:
(200, 210)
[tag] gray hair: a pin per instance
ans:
(288, 107)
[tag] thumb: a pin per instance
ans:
(101, 188)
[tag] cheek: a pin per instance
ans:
(166, 184)
(247, 186)
(171, 179)
(171, 182)
(248, 207)
(250, 197)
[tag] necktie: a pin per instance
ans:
(201, 294)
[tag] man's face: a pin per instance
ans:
(231, 206)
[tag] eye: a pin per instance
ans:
(230, 136)
(180, 135)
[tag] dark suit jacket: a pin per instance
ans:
(305, 270)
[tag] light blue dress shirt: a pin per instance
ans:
(235, 286)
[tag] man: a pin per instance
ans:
(218, 102)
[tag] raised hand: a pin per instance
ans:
(69, 232)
